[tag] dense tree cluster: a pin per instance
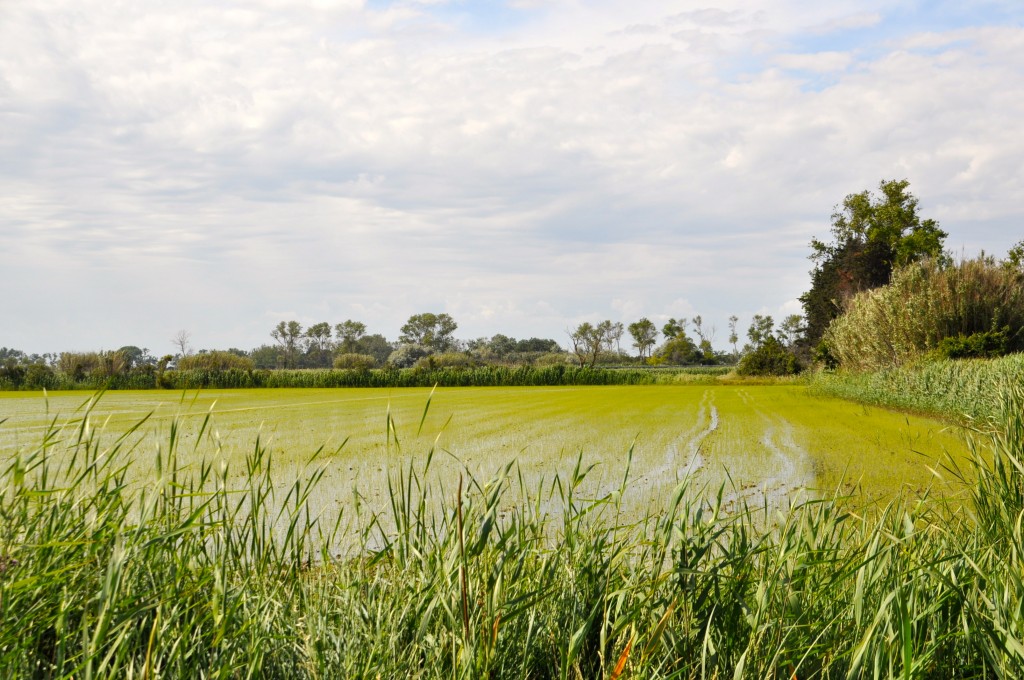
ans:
(871, 237)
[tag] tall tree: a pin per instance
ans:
(644, 335)
(734, 337)
(706, 335)
(181, 341)
(318, 341)
(871, 236)
(348, 334)
(501, 345)
(430, 330)
(376, 345)
(674, 328)
(319, 336)
(614, 333)
(587, 342)
(136, 356)
(761, 328)
(288, 335)
(790, 330)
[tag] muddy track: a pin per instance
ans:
(683, 457)
(789, 467)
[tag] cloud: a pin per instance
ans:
(848, 22)
(818, 62)
(206, 166)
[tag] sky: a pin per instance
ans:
(522, 165)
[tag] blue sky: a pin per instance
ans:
(523, 166)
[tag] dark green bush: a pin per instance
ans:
(771, 358)
(984, 345)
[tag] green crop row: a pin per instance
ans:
(188, 573)
(481, 376)
(964, 389)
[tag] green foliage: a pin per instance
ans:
(984, 345)
(761, 329)
(93, 365)
(447, 360)
(215, 361)
(674, 327)
(405, 356)
(1015, 258)
(644, 336)
(267, 356)
(968, 388)
(376, 345)
(769, 358)
(925, 303)
(356, 362)
(288, 335)
(680, 350)
(588, 341)
(871, 236)
(435, 331)
(349, 333)
(114, 566)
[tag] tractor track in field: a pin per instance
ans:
(788, 467)
(683, 456)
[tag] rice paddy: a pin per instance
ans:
(763, 443)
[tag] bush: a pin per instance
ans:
(446, 360)
(354, 362)
(986, 345)
(215, 361)
(925, 304)
(771, 358)
(553, 359)
(679, 350)
(406, 355)
(39, 377)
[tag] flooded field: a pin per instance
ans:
(763, 443)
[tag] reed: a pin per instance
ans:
(121, 562)
(963, 390)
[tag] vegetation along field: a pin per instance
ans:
(771, 440)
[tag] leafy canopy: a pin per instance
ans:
(872, 235)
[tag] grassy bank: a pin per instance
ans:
(184, 575)
(970, 389)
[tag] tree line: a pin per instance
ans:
(426, 341)
(874, 237)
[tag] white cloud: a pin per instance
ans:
(207, 167)
(848, 22)
(818, 62)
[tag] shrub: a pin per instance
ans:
(215, 361)
(353, 361)
(447, 360)
(39, 377)
(553, 359)
(679, 350)
(406, 355)
(771, 358)
(986, 345)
